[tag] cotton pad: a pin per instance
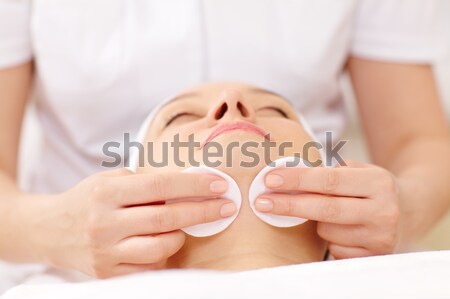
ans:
(258, 187)
(233, 193)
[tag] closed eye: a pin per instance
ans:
(173, 118)
(270, 109)
(180, 116)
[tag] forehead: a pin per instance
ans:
(210, 92)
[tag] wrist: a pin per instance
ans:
(32, 225)
(411, 217)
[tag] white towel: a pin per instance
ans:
(423, 275)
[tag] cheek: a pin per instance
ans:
(291, 138)
(170, 146)
(197, 129)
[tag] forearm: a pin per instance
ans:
(422, 167)
(407, 133)
(15, 83)
(17, 226)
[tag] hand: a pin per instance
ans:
(113, 223)
(356, 206)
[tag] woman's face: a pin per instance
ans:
(229, 116)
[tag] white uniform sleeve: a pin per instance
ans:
(15, 44)
(399, 30)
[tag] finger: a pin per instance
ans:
(146, 188)
(354, 164)
(346, 235)
(116, 172)
(148, 249)
(318, 207)
(164, 218)
(342, 181)
(343, 252)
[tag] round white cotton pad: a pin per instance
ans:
(258, 187)
(233, 193)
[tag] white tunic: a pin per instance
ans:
(103, 64)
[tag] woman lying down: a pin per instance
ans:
(230, 127)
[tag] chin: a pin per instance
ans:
(239, 163)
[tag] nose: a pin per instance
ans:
(231, 106)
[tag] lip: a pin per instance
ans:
(228, 127)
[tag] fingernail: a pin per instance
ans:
(264, 204)
(218, 186)
(274, 180)
(228, 209)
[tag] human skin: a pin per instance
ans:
(248, 242)
(401, 115)
(103, 226)
(366, 209)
